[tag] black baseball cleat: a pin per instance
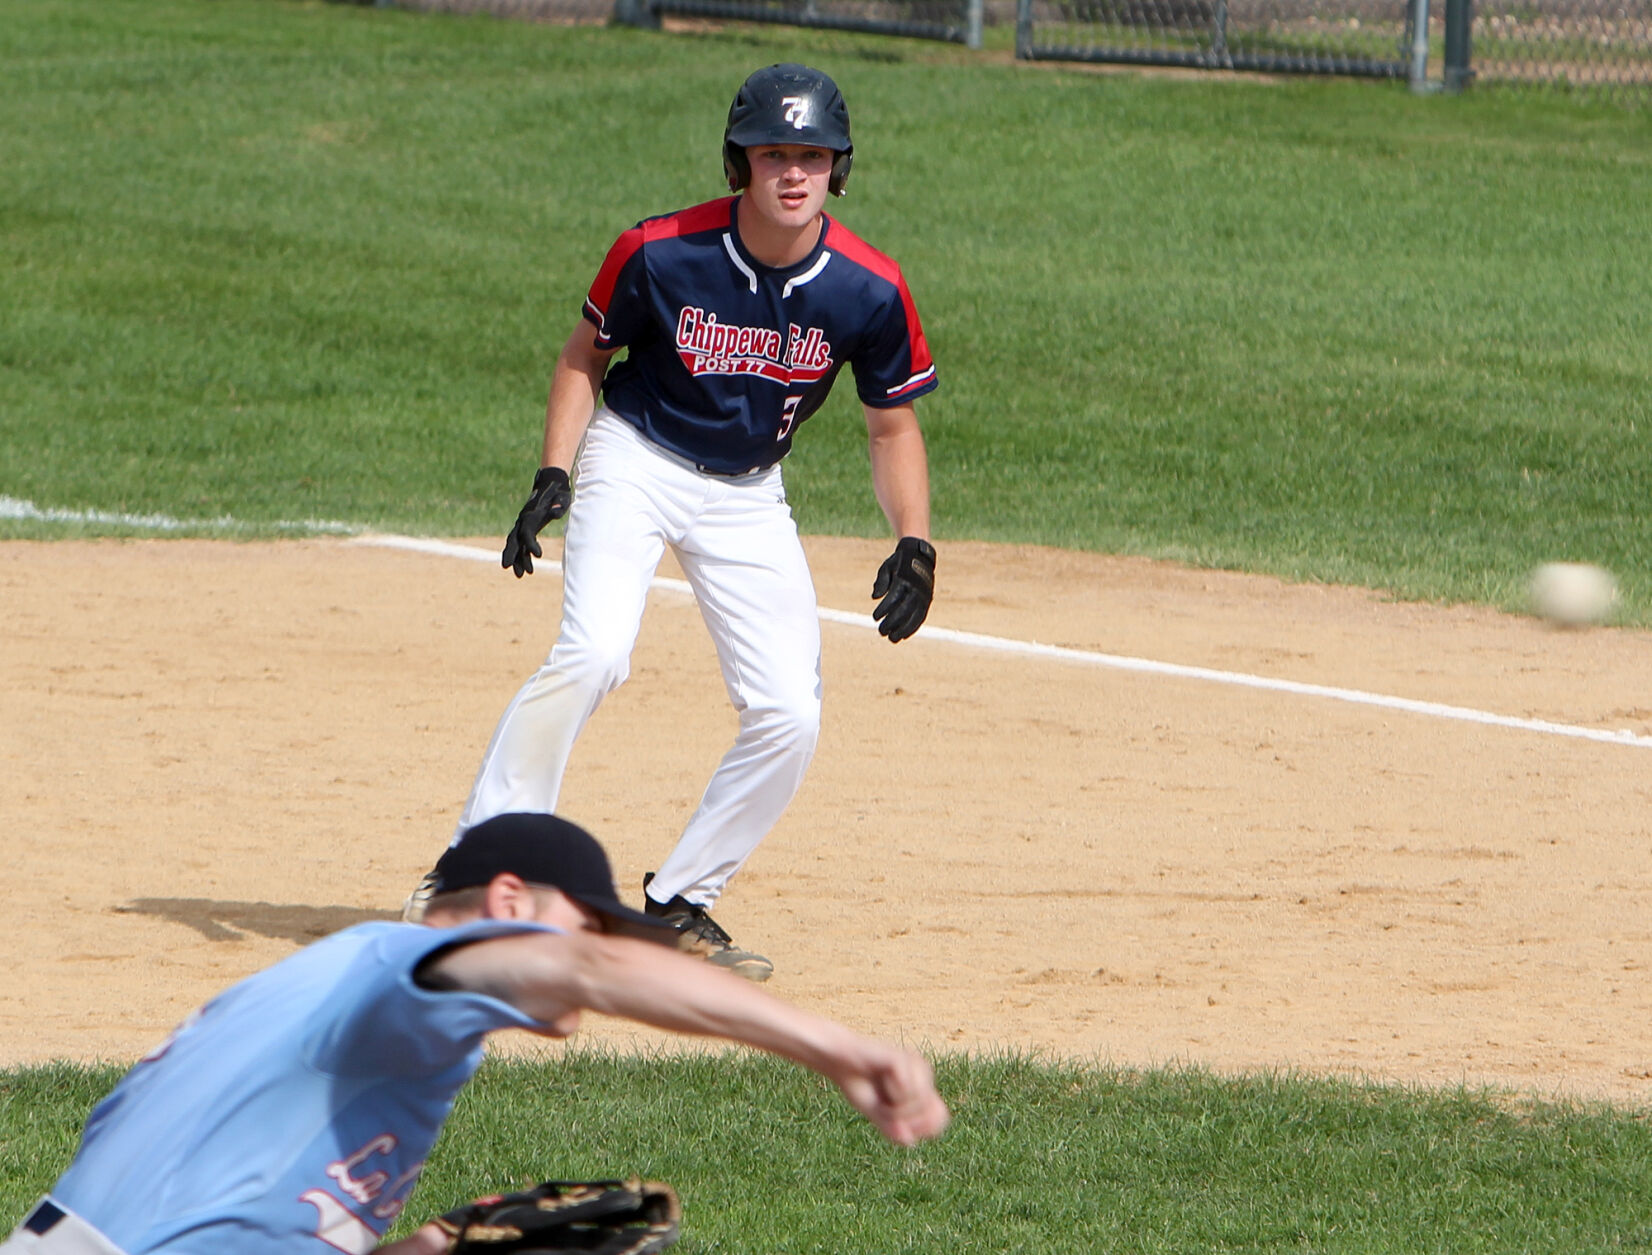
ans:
(698, 933)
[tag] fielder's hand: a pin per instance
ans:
(906, 582)
(894, 1088)
(550, 499)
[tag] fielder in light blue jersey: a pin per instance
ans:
(294, 1112)
(303, 1099)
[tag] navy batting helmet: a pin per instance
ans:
(787, 104)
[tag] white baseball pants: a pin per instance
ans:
(49, 1229)
(737, 543)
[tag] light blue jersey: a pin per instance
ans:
(294, 1111)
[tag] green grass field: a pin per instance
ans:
(271, 263)
(1042, 1156)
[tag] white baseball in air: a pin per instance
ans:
(1573, 594)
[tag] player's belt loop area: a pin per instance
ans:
(44, 1218)
(633, 432)
(53, 1228)
(750, 470)
(701, 467)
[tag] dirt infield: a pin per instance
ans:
(215, 752)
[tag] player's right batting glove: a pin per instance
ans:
(550, 499)
(906, 582)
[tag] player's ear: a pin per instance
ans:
(508, 897)
(736, 166)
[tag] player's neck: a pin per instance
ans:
(774, 244)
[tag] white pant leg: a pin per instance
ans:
(66, 1234)
(748, 570)
(613, 544)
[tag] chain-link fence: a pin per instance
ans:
(568, 11)
(1575, 43)
(1592, 45)
(1357, 37)
(955, 21)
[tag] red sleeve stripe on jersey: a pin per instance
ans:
(857, 250)
(714, 215)
(914, 384)
(921, 360)
(602, 287)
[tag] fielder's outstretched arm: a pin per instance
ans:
(548, 976)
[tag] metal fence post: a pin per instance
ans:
(972, 23)
(1459, 22)
(636, 13)
(1023, 30)
(1419, 47)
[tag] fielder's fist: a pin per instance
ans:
(550, 499)
(906, 582)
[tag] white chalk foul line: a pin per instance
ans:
(1119, 662)
(13, 508)
(16, 508)
(442, 549)
(1437, 710)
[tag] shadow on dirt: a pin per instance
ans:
(231, 921)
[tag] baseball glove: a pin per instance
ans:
(591, 1217)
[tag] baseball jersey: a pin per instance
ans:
(294, 1111)
(726, 357)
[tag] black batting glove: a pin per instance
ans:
(906, 582)
(550, 499)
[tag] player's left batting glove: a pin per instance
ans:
(906, 582)
(552, 495)
(629, 1217)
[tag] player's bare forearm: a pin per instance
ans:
(891, 1087)
(900, 468)
(547, 976)
(576, 385)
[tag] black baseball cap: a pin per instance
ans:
(542, 850)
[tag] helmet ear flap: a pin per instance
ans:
(735, 166)
(840, 172)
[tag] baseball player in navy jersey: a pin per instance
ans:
(293, 1113)
(735, 317)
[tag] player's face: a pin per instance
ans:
(789, 182)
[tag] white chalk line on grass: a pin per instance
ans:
(1119, 662)
(13, 508)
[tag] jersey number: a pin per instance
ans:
(788, 417)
